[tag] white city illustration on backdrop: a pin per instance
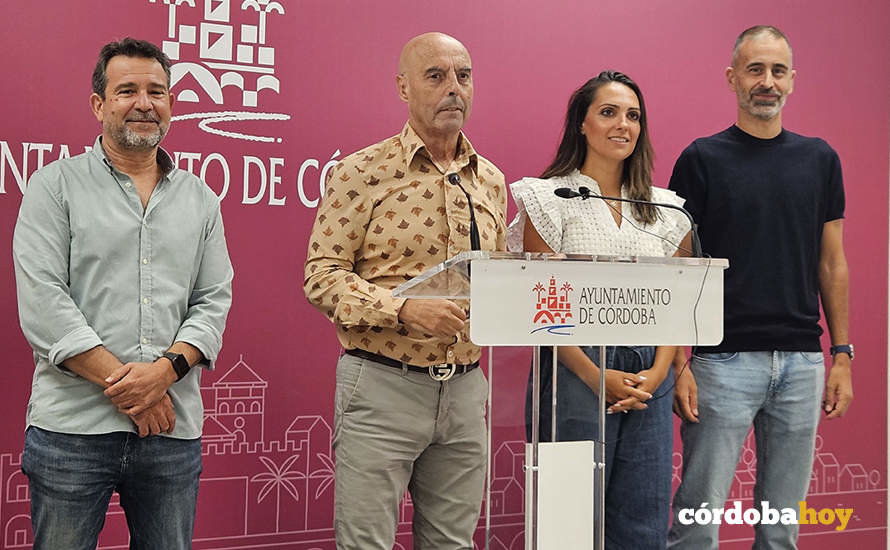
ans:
(280, 490)
(210, 54)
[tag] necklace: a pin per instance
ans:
(615, 205)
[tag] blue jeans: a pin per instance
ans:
(780, 393)
(639, 445)
(71, 479)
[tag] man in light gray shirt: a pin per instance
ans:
(124, 284)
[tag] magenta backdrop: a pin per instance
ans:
(321, 75)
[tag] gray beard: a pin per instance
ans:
(128, 139)
(765, 111)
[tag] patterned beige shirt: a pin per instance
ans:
(387, 215)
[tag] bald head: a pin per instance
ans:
(435, 79)
(421, 46)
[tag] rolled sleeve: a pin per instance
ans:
(51, 321)
(211, 296)
(74, 343)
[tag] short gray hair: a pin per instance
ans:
(757, 30)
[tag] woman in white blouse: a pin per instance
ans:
(605, 147)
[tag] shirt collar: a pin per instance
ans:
(165, 161)
(412, 144)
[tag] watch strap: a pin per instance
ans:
(180, 364)
(845, 348)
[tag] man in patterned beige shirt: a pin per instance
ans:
(390, 212)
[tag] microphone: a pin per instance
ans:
(475, 244)
(584, 193)
(566, 193)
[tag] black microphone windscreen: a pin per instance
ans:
(565, 193)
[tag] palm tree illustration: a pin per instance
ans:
(326, 473)
(267, 7)
(275, 478)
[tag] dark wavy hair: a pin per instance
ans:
(637, 170)
(128, 47)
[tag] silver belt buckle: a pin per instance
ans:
(442, 372)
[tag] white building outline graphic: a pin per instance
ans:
(210, 53)
(280, 492)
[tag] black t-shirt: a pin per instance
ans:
(762, 204)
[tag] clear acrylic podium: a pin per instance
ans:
(534, 299)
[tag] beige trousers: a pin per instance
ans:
(396, 430)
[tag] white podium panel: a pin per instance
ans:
(565, 494)
(646, 301)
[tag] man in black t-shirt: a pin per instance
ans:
(772, 202)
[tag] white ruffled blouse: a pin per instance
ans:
(576, 226)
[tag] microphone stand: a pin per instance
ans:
(585, 194)
(454, 179)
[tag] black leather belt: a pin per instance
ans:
(440, 372)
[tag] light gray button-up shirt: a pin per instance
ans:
(93, 268)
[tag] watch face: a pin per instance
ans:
(180, 364)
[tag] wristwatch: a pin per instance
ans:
(847, 348)
(180, 364)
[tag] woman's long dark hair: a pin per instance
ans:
(637, 170)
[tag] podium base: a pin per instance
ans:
(565, 496)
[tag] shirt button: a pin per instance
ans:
(144, 261)
(128, 185)
(145, 300)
